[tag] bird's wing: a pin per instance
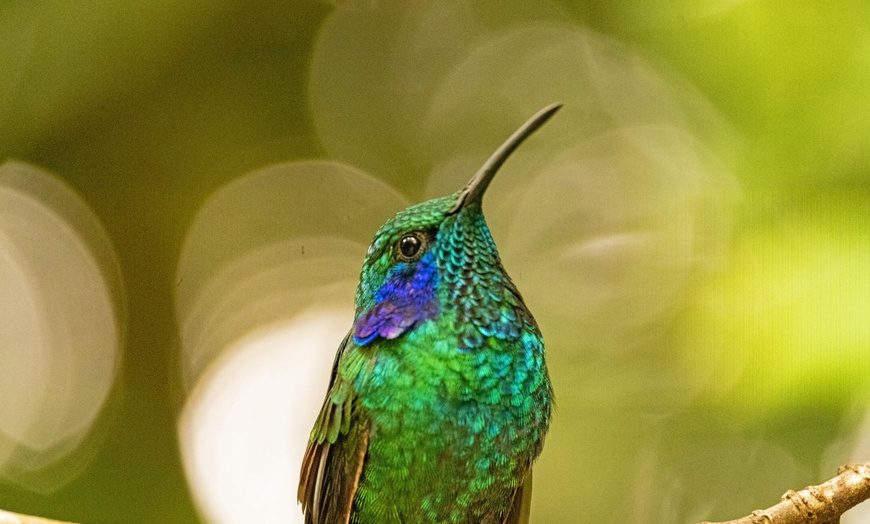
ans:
(334, 458)
(522, 505)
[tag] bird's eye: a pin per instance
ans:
(410, 246)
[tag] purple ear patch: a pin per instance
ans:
(405, 300)
(387, 320)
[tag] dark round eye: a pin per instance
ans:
(410, 246)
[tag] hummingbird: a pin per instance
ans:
(439, 398)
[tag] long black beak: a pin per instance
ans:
(473, 191)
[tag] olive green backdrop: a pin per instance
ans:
(145, 108)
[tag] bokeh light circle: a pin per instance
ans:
(63, 311)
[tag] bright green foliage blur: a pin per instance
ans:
(756, 381)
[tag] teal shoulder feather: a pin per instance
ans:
(336, 451)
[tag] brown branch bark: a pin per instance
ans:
(14, 518)
(822, 504)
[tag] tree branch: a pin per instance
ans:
(822, 504)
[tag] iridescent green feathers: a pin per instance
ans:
(439, 398)
(476, 287)
(333, 460)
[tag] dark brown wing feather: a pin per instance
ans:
(333, 460)
(522, 505)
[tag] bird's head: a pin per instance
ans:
(438, 257)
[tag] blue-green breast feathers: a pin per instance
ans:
(439, 399)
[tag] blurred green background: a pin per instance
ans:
(145, 108)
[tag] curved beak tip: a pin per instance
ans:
(476, 187)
